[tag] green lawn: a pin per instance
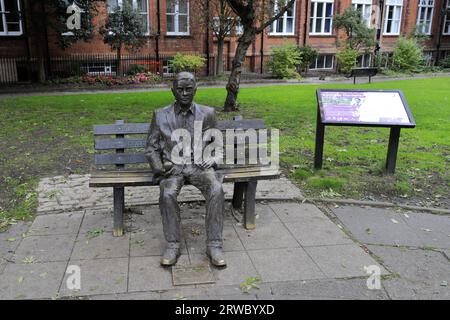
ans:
(43, 136)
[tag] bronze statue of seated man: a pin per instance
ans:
(185, 114)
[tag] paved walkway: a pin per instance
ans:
(297, 250)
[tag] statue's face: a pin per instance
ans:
(184, 91)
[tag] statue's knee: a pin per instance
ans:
(167, 194)
(216, 189)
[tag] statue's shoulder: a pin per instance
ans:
(162, 110)
(206, 109)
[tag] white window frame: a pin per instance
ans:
(313, 18)
(285, 17)
(446, 30)
(397, 5)
(366, 59)
(317, 59)
(425, 5)
(3, 12)
(176, 15)
(366, 11)
(135, 6)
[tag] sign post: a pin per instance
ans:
(365, 108)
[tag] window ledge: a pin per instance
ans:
(280, 34)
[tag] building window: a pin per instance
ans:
(425, 16)
(167, 67)
(364, 61)
(323, 61)
(284, 25)
(100, 68)
(393, 17)
(10, 18)
(177, 14)
(140, 6)
(365, 7)
(321, 17)
(447, 20)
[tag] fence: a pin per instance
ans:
(21, 69)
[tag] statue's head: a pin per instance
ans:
(184, 88)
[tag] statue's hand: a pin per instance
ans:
(208, 163)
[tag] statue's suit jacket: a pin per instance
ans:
(159, 143)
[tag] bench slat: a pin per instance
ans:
(143, 128)
(129, 128)
(120, 158)
(145, 177)
(109, 144)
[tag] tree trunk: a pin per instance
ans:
(220, 45)
(235, 77)
(119, 61)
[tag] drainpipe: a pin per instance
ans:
(380, 28)
(158, 34)
(261, 52)
(208, 71)
(441, 30)
(305, 27)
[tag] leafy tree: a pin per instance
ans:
(124, 28)
(185, 62)
(284, 61)
(408, 55)
(255, 16)
(42, 15)
(347, 59)
(308, 55)
(359, 35)
(218, 16)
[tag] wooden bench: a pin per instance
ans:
(363, 72)
(112, 145)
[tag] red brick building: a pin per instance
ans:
(173, 27)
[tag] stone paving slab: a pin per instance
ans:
(317, 231)
(434, 230)
(52, 248)
(378, 226)
(100, 276)
(101, 247)
(146, 274)
(66, 223)
(31, 281)
(293, 211)
(421, 272)
(73, 193)
(267, 236)
(342, 261)
(285, 264)
(326, 289)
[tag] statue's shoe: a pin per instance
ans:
(217, 256)
(170, 256)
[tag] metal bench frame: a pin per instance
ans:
(245, 178)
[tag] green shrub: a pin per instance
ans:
(308, 55)
(347, 59)
(185, 62)
(445, 63)
(136, 68)
(284, 61)
(408, 55)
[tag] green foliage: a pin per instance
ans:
(359, 35)
(186, 62)
(408, 55)
(249, 284)
(308, 55)
(445, 63)
(284, 61)
(124, 27)
(136, 68)
(347, 59)
(57, 20)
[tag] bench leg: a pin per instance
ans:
(354, 80)
(249, 206)
(119, 206)
(238, 194)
